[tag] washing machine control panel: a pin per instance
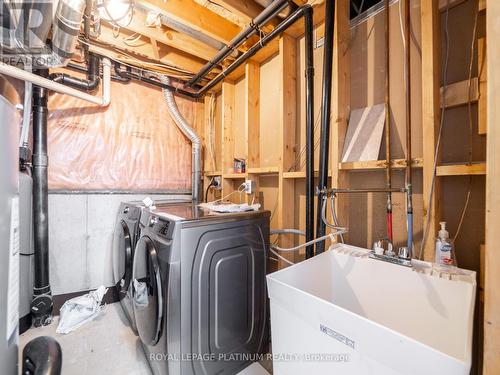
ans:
(163, 227)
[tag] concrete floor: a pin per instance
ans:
(104, 346)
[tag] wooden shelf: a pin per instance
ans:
(263, 170)
(234, 176)
(301, 174)
(378, 164)
(212, 174)
(461, 169)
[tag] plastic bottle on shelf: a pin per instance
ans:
(445, 251)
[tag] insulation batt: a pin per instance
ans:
(131, 145)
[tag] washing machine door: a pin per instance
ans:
(122, 257)
(148, 292)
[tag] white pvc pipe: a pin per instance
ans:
(102, 101)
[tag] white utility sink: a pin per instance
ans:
(342, 312)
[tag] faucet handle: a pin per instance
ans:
(383, 245)
(404, 253)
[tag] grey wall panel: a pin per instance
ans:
(68, 243)
(81, 233)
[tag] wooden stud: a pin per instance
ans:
(491, 360)
(227, 137)
(340, 103)
(252, 114)
(252, 123)
(483, 86)
(431, 67)
(287, 124)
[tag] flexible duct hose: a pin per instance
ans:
(189, 132)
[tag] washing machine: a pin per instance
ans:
(199, 290)
(126, 234)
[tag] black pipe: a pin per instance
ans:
(308, 26)
(289, 21)
(89, 84)
(41, 306)
(83, 69)
(325, 115)
(265, 16)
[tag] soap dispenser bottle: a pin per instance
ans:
(445, 252)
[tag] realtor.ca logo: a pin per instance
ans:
(24, 27)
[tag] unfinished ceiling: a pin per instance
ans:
(179, 37)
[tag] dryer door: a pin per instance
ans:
(148, 292)
(122, 257)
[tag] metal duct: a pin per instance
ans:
(180, 27)
(285, 13)
(65, 29)
(189, 132)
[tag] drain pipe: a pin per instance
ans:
(308, 37)
(189, 132)
(89, 84)
(46, 83)
(265, 16)
(41, 306)
(325, 116)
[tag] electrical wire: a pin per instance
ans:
(208, 188)
(469, 110)
(334, 216)
(239, 190)
(135, 63)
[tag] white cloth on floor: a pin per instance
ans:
(230, 207)
(80, 310)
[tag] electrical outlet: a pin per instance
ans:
(249, 186)
(217, 183)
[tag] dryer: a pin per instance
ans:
(126, 233)
(199, 290)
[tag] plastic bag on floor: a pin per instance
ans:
(80, 310)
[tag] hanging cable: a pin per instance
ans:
(239, 190)
(471, 130)
(208, 188)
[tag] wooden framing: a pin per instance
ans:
(491, 359)
(340, 102)
(287, 124)
(430, 115)
(483, 86)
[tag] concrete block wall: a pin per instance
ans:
(81, 230)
